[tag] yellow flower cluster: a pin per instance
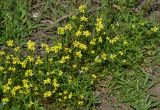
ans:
(60, 30)
(68, 27)
(83, 18)
(99, 24)
(28, 72)
(86, 33)
(56, 48)
(79, 45)
(93, 41)
(79, 54)
(64, 59)
(39, 61)
(113, 40)
(47, 94)
(78, 33)
(15, 89)
(154, 29)
(7, 87)
(82, 8)
(5, 100)
(47, 81)
(55, 84)
(10, 43)
(31, 45)
(2, 52)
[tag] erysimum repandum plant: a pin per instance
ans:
(66, 71)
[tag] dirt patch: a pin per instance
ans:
(106, 100)
(155, 91)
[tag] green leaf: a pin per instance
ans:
(1, 85)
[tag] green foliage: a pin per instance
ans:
(15, 21)
(89, 47)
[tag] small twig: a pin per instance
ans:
(45, 21)
(64, 17)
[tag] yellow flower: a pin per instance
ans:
(82, 8)
(28, 72)
(68, 27)
(5, 100)
(125, 42)
(30, 58)
(60, 30)
(9, 81)
(47, 94)
(13, 69)
(64, 58)
(67, 50)
(81, 97)
(30, 104)
(55, 84)
(36, 88)
(79, 54)
(46, 47)
(50, 60)
(112, 41)
(56, 48)
(79, 45)
(15, 89)
(31, 45)
(97, 60)
(94, 76)
(83, 46)
(81, 26)
(16, 49)
(47, 81)
(84, 68)
(100, 39)
(93, 41)
(124, 61)
(43, 45)
(6, 88)
(74, 66)
(26, 84)
(59, 99)
(23, 63)
(86, 33)
(83, 18)
(70, 96)
(80, 102)
(104, 56)
(65, 97)
(60, 94)
(2, 52)
(74, 17)
(1, 68)
(92, 52)
(16, 60)
(65, 92)
(60, 72)
(78, 33)
(120, 52)
(154, 29)
(113, 56)
(76, 44)
(39, 61)
(10, 43)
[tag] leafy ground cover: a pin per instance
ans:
(79, 55)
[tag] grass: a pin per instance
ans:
(125, 74)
